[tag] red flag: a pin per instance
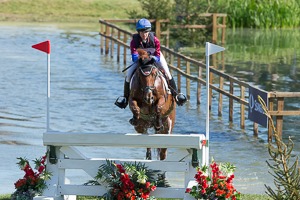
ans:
(43, 46)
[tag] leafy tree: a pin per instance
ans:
(155, 9)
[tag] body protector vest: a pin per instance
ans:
(148, 46)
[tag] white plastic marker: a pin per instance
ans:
(46, 47)
(209, 50)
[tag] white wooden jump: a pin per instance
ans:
(69, 157)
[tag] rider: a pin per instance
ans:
(146, 40)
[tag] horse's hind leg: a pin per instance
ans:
(148, 154)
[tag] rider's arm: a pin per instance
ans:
(157, 49)
(134, 53)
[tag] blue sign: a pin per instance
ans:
(256, 112)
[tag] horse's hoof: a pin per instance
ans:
(133, 121)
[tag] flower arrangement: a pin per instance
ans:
(127, 181)
(33, 182)
(218, 185)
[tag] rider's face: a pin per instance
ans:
(144, 34)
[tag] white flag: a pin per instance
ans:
(212, 49)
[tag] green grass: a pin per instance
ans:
(65, 10)
(243, 197)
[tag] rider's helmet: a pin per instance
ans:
(143, 25)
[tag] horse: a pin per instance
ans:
(151, 101)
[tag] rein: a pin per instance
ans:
(148, 72)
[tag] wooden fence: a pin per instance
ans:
(221, 83)
(185, 152)
(165, 35)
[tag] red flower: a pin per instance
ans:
(28, 171)
(120, 168)
(153, 188)
(124, 181)
(20, 183)
(188, 190)
(41, 168)
(147, 185)
(145, 195)
(214, 184)
(33, 181)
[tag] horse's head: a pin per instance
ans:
(147, 76)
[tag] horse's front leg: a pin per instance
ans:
(135, 109)
(158, 119)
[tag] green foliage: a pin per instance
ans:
(155, 9)
(263, 13)
(187, 13)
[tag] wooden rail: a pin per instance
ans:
(220, 83)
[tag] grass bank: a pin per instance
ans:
(80, 11)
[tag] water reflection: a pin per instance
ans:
(270, 56)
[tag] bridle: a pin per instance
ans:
(145, 71)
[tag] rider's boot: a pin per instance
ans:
(179, 97)
(122, 101)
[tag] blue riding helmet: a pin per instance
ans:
(143, 24)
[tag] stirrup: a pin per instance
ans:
(180, 99)
(121, 102)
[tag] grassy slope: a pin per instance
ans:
(64, 10)
(77, 11)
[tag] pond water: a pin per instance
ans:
(84, 86)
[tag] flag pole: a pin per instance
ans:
(207, 104)
(209, 50)
(48, 91)
(46, 47)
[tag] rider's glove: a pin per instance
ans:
(153, 59)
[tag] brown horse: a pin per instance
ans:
(150, 101)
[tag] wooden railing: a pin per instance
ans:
(221, 83)
(276, 109)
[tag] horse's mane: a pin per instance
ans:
(143, 54)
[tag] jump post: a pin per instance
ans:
(64, 155)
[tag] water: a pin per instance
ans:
(84, 86)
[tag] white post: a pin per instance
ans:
(209, 50)
(207, 108)
(48, 91)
